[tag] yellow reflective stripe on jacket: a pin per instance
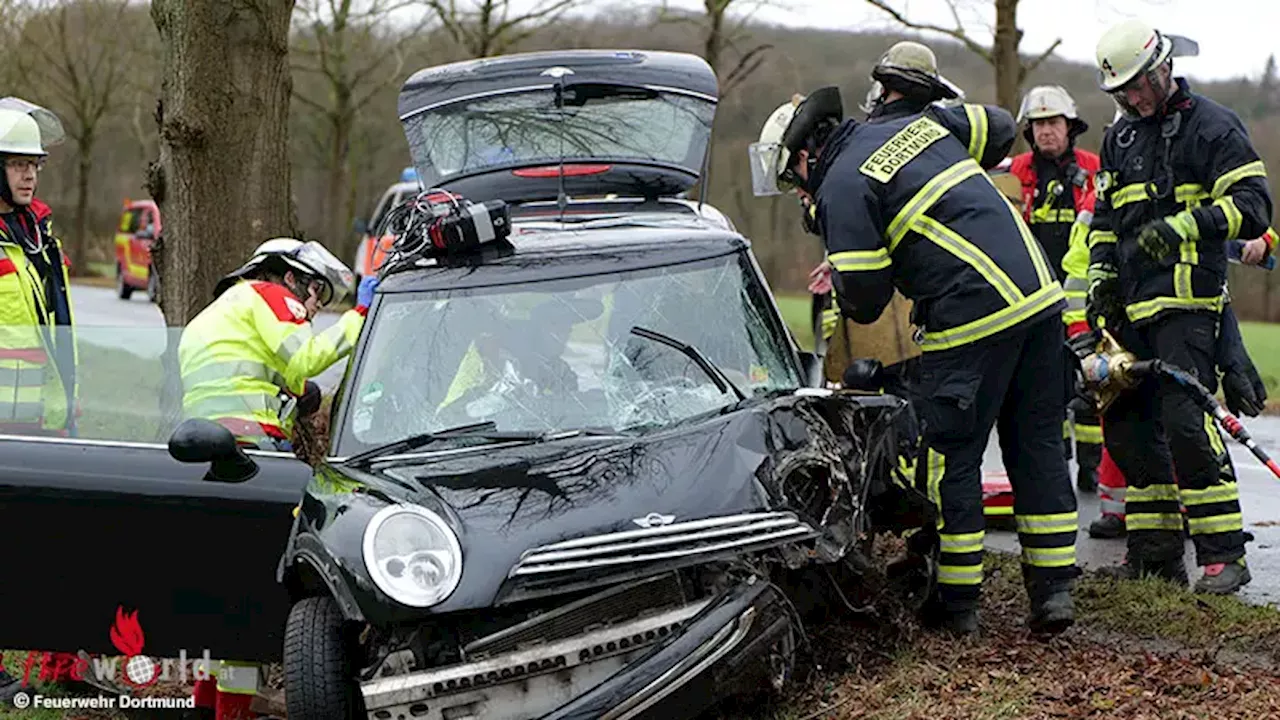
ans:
(1231, 177)
(1048, 215)
(927, 196)
(856, 260)
(1149, 308)
(1033, 247)
(949, 240)
(305, 352)
(1234, 217)
(1187, 193)
(977, 116)
(998, 321)
(1100, 237)
(1088, 434)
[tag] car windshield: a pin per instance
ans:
(599, 122)
(560, 355)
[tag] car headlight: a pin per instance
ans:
(412, 555)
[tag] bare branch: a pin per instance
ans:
(957, 32)
(1031, 66)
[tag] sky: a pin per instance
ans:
(1235, 36)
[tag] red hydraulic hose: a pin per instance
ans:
(1205, 399)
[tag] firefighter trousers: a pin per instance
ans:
(964, 392)
(1156, 426)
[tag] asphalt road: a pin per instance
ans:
(137, 325)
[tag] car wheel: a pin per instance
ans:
(123, 289)
(319, 667)
(153, 286)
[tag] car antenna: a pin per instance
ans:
(706, 169)
(558, 72)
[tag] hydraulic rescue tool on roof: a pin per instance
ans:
(1110, 370)
(437, 223)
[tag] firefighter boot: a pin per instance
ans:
(1172, 569)
(1224, 578)
(962, 623)
(1052, 609)
(1108, 527)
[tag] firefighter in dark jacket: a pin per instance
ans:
(906, 204)
(1179, 178)
(1057, 184)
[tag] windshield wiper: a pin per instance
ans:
(482, 430)
(717, 375)
(416, 441)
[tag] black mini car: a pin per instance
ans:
(585, 472)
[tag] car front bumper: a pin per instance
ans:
(673, 664)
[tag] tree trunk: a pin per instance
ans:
(336, 208)
(1005, 54)
(84, 166)
(223, 185)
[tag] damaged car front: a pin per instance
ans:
(573, 482)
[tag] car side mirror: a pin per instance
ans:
(202, 441)
(360, 226)
(811, 365)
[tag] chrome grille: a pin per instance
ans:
(691, 539)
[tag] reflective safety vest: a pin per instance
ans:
(33, 388)
(1075, 265)
(252, 345)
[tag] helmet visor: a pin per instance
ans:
(335, 276)
(765, 159)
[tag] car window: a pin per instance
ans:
(597, 122)
(559, 354)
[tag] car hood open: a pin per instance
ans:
(625, 122)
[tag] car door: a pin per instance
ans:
(107, 521)
(124, 239)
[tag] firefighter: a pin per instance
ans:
(247, 358)
(1056, 179)
(37, 337)
(906, 204)
(1179, 179)
(904, 81)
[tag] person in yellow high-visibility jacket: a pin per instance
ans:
(37, 341)
(247, 359)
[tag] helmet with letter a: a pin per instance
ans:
(1132, 50)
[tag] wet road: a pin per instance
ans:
(1260, 505)
(137, 325)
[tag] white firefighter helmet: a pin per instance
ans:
(915, 64)
(768, 156)
(19, 134)
(309, 258)
(1134, 47)
(1047, 101)
(51, 131)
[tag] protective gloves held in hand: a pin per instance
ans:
(364, 294)
(1103, 297)
(1244, 391)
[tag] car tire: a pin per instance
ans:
(153, 285)
(123, 290)
(319, 668)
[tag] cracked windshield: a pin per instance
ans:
(598, 122)
(558, 355)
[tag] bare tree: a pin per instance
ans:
(222, 178)
(720, 33)
(342, 46)
(72, 59)
(484, 28)
(1010, 68)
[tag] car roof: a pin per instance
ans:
(636, 243)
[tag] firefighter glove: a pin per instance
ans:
(1244, 391)
(1103, 298)
(364, 294)
(1084, 344)
(1160, 238)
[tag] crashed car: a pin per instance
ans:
(576, 476)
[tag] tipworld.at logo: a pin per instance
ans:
(137, 670)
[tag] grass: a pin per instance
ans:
(1139, 650)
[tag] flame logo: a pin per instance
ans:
(126, 633)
